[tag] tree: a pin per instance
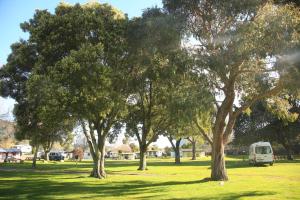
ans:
(154, 40)
(194, 138)
(134, 147)
(13, 78)
(237, 42)
(76, 55)
(276, 122)
(89, 81)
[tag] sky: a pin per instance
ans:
(14, 12)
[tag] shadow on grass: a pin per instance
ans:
(43, 188)
(232, 196)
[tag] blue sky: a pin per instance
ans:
(14, 12)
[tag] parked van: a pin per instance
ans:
(261, 153)
(57, 156)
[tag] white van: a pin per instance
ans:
(261, 153)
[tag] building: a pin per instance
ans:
(10, 155)
(87, 155)
(151, 154)
(25, 148)
(2, 155)
(123, 151)
(189, 153)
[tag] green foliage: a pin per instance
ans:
(278, 123)
(155, 62)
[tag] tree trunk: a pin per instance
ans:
(289, 152)
(96, 167)
(218, 169)
(102, 159)
(99, 167)
(47, 155)
(194, 150)
(143, 156)
(35, 156)
(177, 151)
(177, 156)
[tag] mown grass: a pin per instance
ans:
(163, 180)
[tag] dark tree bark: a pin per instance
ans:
(194, 150)
(193, 142)
(143, 157)
(289, 151)
(36, 149)
(176, 148)
(177, 152)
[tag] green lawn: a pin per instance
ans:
(163, 180)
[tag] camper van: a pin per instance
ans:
(261, 153)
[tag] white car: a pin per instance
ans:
(261, 153)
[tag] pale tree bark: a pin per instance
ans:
(223, 127)
(97, 150)
(143, 147)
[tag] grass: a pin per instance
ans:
(163, 180)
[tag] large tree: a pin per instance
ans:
(237, 43)
(276, 122)
(89, 81)
(154, 60)
(74, 55)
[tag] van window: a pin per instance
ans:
(263, 150)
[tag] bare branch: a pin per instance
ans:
(203, 133)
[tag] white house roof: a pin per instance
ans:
(2, 150)
(124, 148)
(13, 150)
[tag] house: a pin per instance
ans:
(69, 155)
(12, 154)
(154, 153)
(151, 154)
(189, 153)
(2, 155)
(123, 151)
(25, 148)
(87, 155)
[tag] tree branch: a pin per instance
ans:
(205, 135)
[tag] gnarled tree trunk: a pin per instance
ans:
(218, 169)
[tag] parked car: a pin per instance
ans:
(57, 156)
(261, 153)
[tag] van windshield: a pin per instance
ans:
(263, 150)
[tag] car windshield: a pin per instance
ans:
(263, 150)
